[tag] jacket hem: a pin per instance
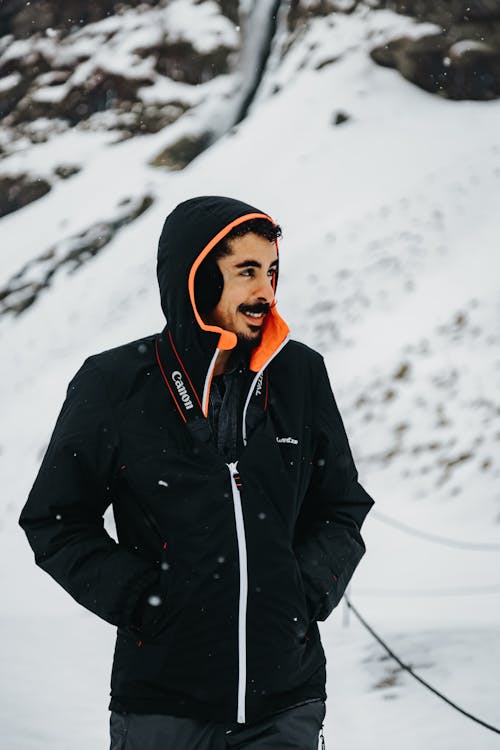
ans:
(187, 708)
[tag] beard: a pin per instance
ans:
(246, 343)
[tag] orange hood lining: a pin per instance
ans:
(275, 329)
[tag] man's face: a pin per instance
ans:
(248, 274)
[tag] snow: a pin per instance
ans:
(9, 82)
(468, 45)
(15, 50)
(390, 235)
(52, 94)
(203, 25)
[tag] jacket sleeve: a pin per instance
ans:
(328, 542)
(63, 516)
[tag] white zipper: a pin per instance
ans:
(242, 609)
(254, 382)
(206, 393)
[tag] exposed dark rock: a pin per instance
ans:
(8, 11)
(39, 88)
(17, 192)
(39, 131)
(24, 19)
(230, 8)
(179, 154)
(340, 117)
(458, 64)
(327, 61)
(181, 62)
(32, 65)
(141, 119)
(436, 62)
(23, 72)
(12, 95)
(403, 371)
(21, 290)
(446, 13)
(102, 91)
(301, 11)
(64, 171)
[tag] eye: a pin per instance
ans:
(247, 272)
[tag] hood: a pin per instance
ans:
(190, 232)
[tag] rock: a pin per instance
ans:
(22, 72)
(8, 10)
(179, 154)
(64, 171)
(446, 13)
(48, 76)
(434, 62)
(24, 19)
(340, 117)
(457, 64)
(142, 119)
(19, 191)
(181, 62)
(301, 11)
(101, 91)
(14, 87)
(22, 290)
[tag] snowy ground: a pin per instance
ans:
(390, 257)
(57, 685)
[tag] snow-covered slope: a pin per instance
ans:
(390, 266)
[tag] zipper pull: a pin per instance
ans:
(233, 468)
(322, 738)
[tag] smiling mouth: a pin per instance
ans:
(254, 318)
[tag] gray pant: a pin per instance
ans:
(294, 729)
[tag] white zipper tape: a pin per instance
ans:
(254, 382)
(242, 609)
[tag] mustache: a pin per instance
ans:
(260, 307)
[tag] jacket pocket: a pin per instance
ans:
(308, 606)
(311, 600)
(156, 607)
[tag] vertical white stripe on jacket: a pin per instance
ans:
(242, 609)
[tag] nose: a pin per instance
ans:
(264, 289)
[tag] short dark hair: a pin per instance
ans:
(263, 227)
(208, 282)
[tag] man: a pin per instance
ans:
(235, 496)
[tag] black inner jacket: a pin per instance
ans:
(221, 570)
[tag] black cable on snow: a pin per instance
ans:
(436, 538)
(410, 671)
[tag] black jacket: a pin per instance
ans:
(221, 570)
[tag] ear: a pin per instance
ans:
(208, 285)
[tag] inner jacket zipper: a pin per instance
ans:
(242, 608)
